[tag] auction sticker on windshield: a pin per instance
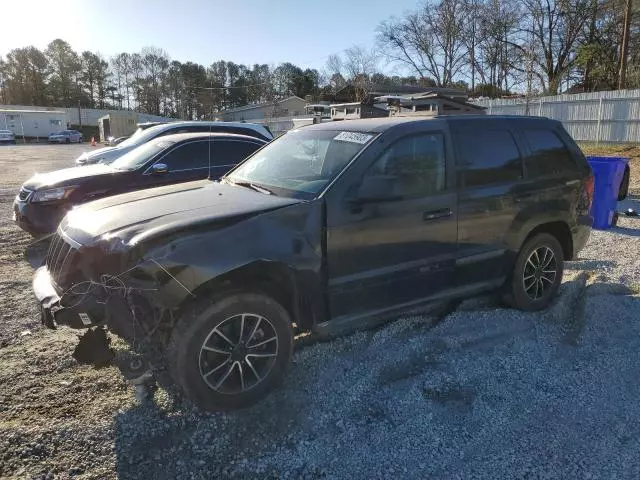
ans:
(354, 137)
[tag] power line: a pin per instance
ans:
(227, 88)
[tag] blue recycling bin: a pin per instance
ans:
(608, 173)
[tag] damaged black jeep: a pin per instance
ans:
(326, 228)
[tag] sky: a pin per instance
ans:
(303, 32)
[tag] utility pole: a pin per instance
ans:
(624, 48)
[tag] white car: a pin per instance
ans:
(7, 136)
(66, 136)
(143, 135)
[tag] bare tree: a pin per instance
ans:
(430, 41)
(334, 65)
(333, 72)
(556, 27)
(471, 35)
(360, 64)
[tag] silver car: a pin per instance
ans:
(7, 136)
(66, 136)
(143, 135)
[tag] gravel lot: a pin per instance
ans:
(483, 392)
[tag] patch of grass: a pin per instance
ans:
(631, 151)
(635, 288)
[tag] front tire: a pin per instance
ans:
(537, 274)
(229, 353)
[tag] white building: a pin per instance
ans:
(86, 116)
(287, 107)
(33, 123)
(117, 124)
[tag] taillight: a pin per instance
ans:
(588, 185)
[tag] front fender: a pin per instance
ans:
(289, 237)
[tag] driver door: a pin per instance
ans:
(185, 162)
(395, 251)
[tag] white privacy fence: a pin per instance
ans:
(594, 117)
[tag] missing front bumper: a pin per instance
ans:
(82, 312)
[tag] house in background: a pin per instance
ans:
(355, 110)
(287, 107)
(353, 93)
(430, 103)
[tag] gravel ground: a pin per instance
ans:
(483, 392)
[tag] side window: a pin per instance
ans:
(416, 165)
(231, 152)
(487, 156)
(549, 155)
(187, 156)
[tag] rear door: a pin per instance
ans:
(227, 153)
(552, 175)
(489, 170)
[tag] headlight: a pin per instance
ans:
(52, 194)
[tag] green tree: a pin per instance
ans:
(23, 77)
(63, 77)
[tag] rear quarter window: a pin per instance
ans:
(549, 155)
(487, 157)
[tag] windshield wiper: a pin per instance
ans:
(253, 186)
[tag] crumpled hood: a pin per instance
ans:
(66, 176)
(134, 216)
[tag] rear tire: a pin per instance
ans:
(68, 140)
(229, 353)
(537, 274)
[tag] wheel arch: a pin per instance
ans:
(277, 280)
(557, 228)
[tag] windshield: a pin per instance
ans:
(141, 135)
(140, 156)
(302, 162)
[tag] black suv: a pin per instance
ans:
(324, 229)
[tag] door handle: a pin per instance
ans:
(435, 214)
(521, 197)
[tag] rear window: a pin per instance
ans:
(188, 156)
(486, 157)
(549, 155)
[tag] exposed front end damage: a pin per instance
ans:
(136, 286)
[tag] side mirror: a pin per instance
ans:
(377, 188)
(159, 169)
